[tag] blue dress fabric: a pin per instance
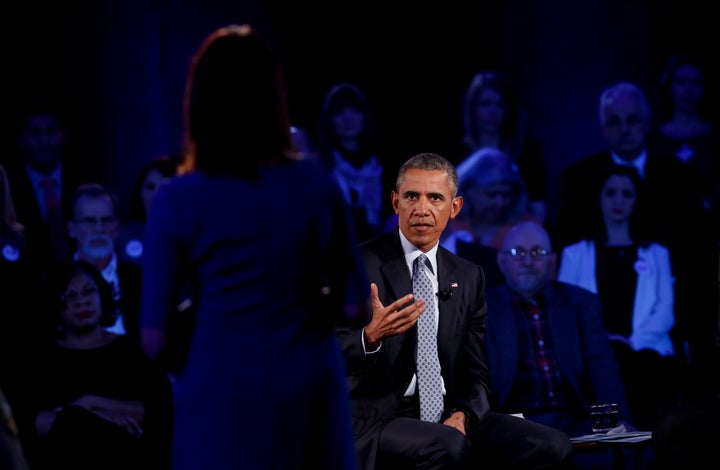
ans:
(264, 382)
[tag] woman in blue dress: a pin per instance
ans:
(265, 241)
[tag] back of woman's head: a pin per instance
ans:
(235, 105)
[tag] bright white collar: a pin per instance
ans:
(412, 252)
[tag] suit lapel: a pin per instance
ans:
(399, 281)
(447, 304)
(506, 347)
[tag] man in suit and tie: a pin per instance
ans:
(385, 356)
(625, 122)
(42, 180)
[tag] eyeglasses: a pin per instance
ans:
(521, 253)
(104, 221)
(615, 122)
(72, 296)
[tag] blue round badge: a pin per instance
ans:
(134, 248)
(10, 253)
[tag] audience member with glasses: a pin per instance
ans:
(549, 354)
(94, 226)
(90, 398)
(534, 252)
(634, 279)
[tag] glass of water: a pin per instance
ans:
(603, 417)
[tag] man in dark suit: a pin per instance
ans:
(549, 354)
(673, 214)
(382, 356)
(41, 158)
(625, 122)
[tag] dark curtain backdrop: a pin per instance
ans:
(120, 66)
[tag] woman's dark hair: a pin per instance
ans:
(666, 82)
(511, 128)
(166, 166)
(637, 233)
(57, 283)
(235, 107)
(340, 96)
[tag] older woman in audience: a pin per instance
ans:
(91, 398)
(495, 199)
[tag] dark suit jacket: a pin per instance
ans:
(582, 348)
(37, 234)
(378, 381)
(486, 257)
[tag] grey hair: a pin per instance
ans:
(488, 166)
(609, 94)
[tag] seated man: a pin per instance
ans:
(44, 175)
(94, 225)
(549, 355)
(425, 344)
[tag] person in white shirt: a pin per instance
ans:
(633, 277)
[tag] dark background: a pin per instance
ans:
(120, 66)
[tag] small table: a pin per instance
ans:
(638, 443)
